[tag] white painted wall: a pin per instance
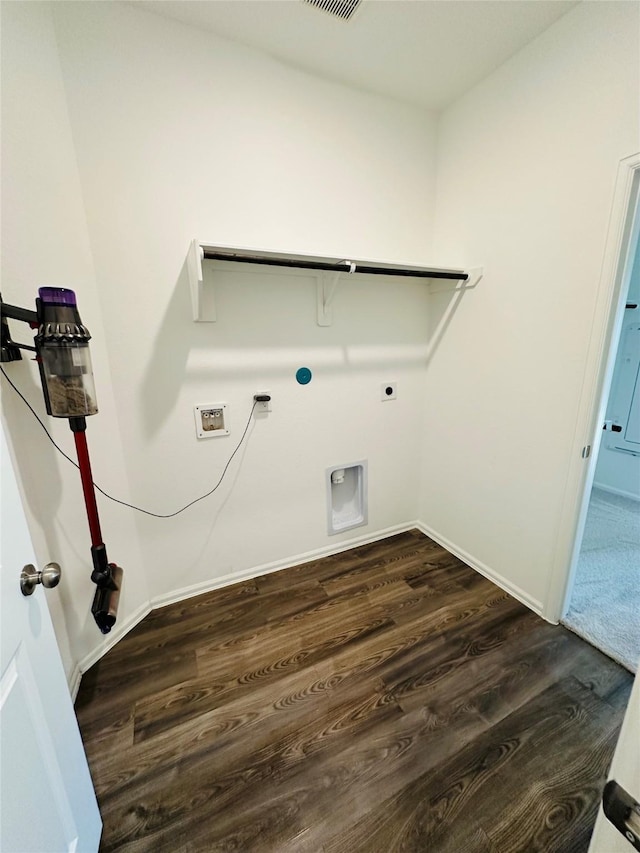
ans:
(45, 242)
(526, 168)
(180, 134)
(617, 471)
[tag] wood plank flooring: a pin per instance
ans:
(385, 699)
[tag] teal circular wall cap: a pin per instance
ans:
(303, 376)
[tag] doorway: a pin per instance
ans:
(603, 601)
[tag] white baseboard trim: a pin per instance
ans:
(108, 643)
(287, 563)
(217, 583)
(277, 566)
(498, 579)
(74, 682)
(613, 491)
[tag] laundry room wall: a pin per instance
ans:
(527, 163)
(179, 135)
(45, 242)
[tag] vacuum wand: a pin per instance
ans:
(78, 427)
(107, 576)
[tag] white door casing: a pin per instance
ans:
(47, 800)
(608, 316)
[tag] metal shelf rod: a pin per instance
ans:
(340, 266)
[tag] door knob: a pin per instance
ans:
(30, 577)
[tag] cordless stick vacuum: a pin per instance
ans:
(62, 353)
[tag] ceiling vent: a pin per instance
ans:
(343, 9)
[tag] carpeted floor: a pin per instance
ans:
(605, 604)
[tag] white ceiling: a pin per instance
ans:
(428, 52)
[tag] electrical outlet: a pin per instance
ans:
(388, 391)
(264, 406)
(211, 420)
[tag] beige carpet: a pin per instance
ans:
(605, 604)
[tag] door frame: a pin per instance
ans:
(622, 232)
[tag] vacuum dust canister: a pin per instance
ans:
(62, 345)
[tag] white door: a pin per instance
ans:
(625, 769)
(47, 801)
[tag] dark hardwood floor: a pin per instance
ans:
(385, 699)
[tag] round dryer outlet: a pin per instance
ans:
(388, 391)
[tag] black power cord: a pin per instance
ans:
(117, 500)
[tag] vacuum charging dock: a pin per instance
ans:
(347, 500)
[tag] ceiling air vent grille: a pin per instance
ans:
(338, 8)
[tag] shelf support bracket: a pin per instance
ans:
(201, 285)
(475, 275)
(327, 284)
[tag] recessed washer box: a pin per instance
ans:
(347, 496)
(212, 420)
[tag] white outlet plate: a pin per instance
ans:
(388, 391)
(263, 407)
(212, 420)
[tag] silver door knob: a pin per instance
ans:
(30, 577)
